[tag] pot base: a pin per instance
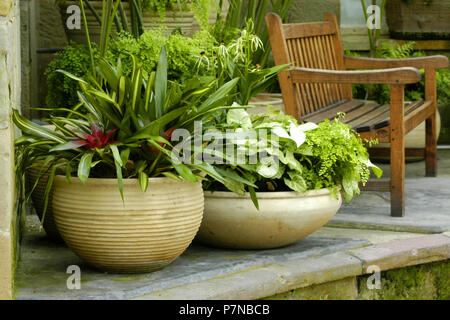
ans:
(232, 221)
(143, 233)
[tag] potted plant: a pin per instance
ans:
(120, 200)
(418, 19)
(300, 173)
(122, 204)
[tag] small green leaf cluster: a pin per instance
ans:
(62, 91)
(182, 52)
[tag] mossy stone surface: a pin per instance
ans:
(344, 289)
(422, 282)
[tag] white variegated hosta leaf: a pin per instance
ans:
(296, 183)
(268, 167)
(292, 163)
(308, 126)
(281, 132)
(239, 116)
(297, 135)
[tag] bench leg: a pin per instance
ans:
(397, 140)
(430, 125)
(431, 147)
(397, 186)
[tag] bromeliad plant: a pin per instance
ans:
(295, 157)
(122, 127)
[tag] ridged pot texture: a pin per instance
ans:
(40, 175)
(144, 233)
(232, 221)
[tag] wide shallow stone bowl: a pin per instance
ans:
(232, 221)
(144, 233)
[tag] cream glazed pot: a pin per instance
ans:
(232, 221)
(144, 233)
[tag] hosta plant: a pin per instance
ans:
(292, 156)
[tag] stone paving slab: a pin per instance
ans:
(42, 271)
(209, 273)
(405, 252)
(373, 236)
(267, 280)
(427, 204)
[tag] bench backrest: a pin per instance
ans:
(314, 45)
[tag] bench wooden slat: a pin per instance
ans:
(361, 111)
(369, 116)
(332, 112)
(308, 29)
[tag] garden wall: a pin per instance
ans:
(9, 98)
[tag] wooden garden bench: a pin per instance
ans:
(318, 86)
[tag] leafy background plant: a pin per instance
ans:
(413, 92)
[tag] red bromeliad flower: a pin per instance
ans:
(166, 135)
(98, 139)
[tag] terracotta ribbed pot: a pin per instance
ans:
(232, 221)
(33, 174)
(145, 233)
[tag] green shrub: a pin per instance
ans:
(182, 52)
(62, 91)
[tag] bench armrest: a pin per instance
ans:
(386, 76)
(430, 62)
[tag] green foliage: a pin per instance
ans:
(235, 60)
(443, 86)
(413, 92)
(182, 52)
(123, 129)
(121, 125)
(297, 157)
(241, 11)
(201, 9)
(422, 282)
(62, 91)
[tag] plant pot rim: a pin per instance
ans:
(268, 195)
(113, 181)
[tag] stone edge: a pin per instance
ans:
(265, 281)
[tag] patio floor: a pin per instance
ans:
(361, 234)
